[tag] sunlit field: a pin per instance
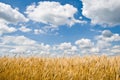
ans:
(72, 68)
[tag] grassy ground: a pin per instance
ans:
(74, 68)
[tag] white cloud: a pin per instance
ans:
(115, 50)
(10, 15)
(102, 44)
(22, 44)
(108, 36)
(5, 29)
(52, 13)
(86, 46)
(66, 48)
(65, 45)
(15, 44)
(103, 12)
(39, 31)
(84, 43)
(24, 29)
(17, 40)
(105, 42)
(94, 50)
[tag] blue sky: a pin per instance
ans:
(74, 27)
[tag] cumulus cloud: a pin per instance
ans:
(4, 28)
(10, 15)
(108, 36)
(65, 45)
(105, 42)
(65, 48)
(17, 40)
(115, 50)
(17, 44)
(52, 13)
(84, 43)
(22, 44)
(107, 33)
(39, 31)
(24, 29)
(103, 12)
(84, 46)
(102, 44)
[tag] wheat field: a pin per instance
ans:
(64, 68)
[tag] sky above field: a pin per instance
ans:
(59, 27)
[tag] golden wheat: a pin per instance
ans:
(72, 68)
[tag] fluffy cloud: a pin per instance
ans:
(24, 29)
(102, 44)
(84, 43)
(22, 44)
(10, 15)
(65, 48)
(17, 40)
(103, 12)
(52, 13)
(5, 29)
(12, 44)
(107, 33)
(39, 31)
(108, 36)
(86, 46)
(105, 42)
(115, 50)
(65, 45)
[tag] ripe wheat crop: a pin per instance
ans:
(72, 68)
